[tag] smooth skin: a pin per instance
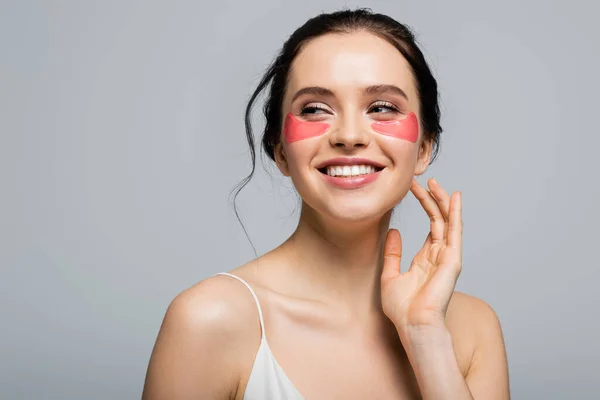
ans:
(341, 318)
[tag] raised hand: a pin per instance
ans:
(419, 297)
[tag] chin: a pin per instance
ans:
(336, 206)
(347, 211)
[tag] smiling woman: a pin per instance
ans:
(352, 117)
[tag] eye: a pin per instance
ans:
(313, 109)
(383, 107)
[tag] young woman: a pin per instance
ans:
(351, 117)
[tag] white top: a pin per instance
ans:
(267, 380)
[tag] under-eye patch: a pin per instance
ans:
(295, 129)
(406, 129)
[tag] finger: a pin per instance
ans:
(455, 225)
(441, 196)
(392, 253)
(443, 283)
(428, 241)
(426, 250)
(449, 268)
(432, 208)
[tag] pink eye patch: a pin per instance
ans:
(406, 129)
(294, 129)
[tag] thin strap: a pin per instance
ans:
(260, 315)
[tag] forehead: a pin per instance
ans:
(346, 62)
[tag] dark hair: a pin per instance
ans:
(340, 22)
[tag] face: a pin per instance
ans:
(351, 139)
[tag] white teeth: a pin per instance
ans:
(349, 171)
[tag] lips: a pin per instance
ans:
(347, 166)
(341, 161)
(352, 182)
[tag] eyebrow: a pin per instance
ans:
(371, 90)
(314, 90)
(381, 89)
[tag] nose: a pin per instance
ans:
(350, 134)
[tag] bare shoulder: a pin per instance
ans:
(219, 304)
(471, 317)
(479, 345)
(208, 334)
(467, 308)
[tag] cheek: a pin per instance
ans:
(404, 129)
(299, 155)
(294, 129)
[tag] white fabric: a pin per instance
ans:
(267, 380)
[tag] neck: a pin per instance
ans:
(340, 262)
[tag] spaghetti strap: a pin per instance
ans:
(260, 314)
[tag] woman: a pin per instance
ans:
(352, 116)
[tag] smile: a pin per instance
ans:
(348, 171)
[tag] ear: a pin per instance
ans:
(281, 159)
(424, 157)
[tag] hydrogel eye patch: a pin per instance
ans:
(406, 129)
(294, 129)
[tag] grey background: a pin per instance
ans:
(122, 134)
